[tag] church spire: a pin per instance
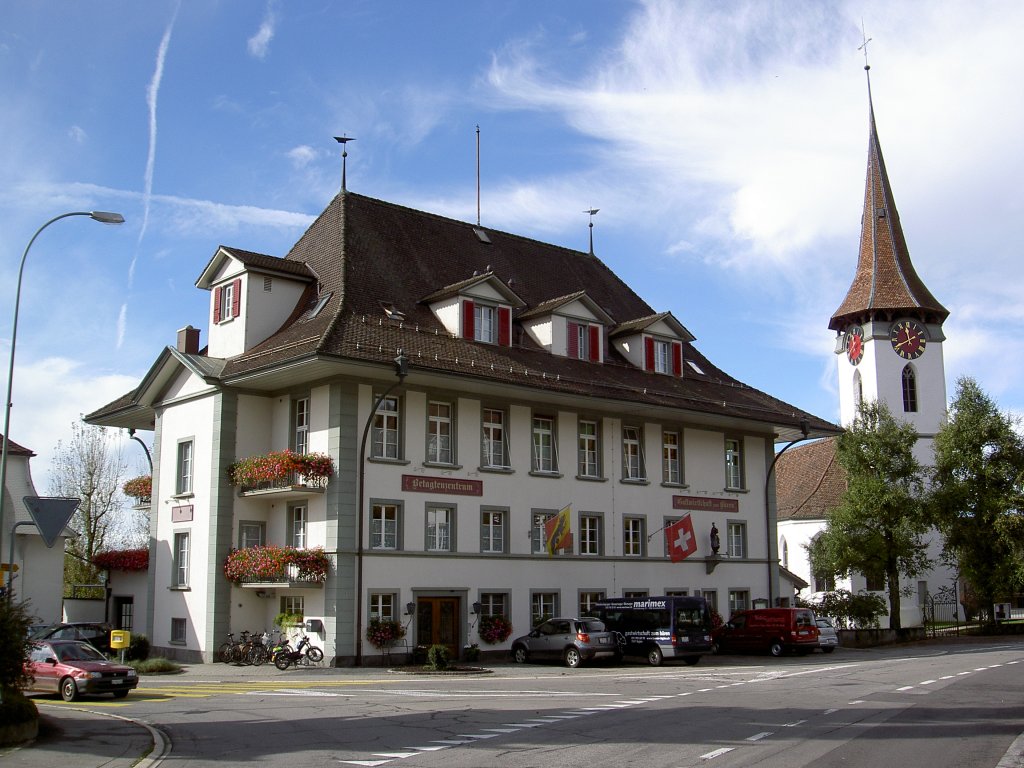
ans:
(885, 284)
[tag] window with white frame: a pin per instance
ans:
(545, 454)
(439, 433)
(384, 526)
(251, 533)
(590, 534)
(293, 604)
(386, 423)
(736, 539)
(183, 483)
(537, 535)
(582, 338)
(733, 463)
(179, 630)
(587, 602)
(495, 439)
(382, 606)
(710, 595)
(182, 549)
(492, 530)
(588, 449)
(632, 454)
(493, 604)
(225, 301)
(671, 466)
(300, 420)
(297, 519)
(543, 605)
(662, 356)
(440, 522)
(485, 323)
(739, 600)
(633, 538)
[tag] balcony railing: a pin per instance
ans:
(278, 566)
(289, 481)
(281, 471)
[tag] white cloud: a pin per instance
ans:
(302, 155)
(259, 44)
(77, 134)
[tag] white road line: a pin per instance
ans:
(502, 730)
(927, 682)
(794, 724)
(395, 755)
(905, 688)
(716, 753)
(478, 735)
(368, 763)
(830, 711)
(427, 749)
(759, 736)
(855, 701)
(452, 742)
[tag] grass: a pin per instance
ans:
(155, 665)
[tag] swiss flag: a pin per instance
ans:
(680, 540)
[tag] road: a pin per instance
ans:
(917, 707)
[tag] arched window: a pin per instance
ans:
(858, 390)
(783, 552)
(909, 390)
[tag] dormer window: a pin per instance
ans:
(487, 323)
(661, 356)
(227, 301)
(583, 341)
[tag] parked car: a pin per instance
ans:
(776, 630)
(573, 641)
(828, 638)
(95, 634)
(74, 668)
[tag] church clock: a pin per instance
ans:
(908, 339)
(854, 344)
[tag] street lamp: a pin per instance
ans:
(401, 371)
(103, 217)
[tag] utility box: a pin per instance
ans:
(120, 638)
(314, 625)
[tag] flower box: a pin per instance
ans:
(280, 470)
(277, 565)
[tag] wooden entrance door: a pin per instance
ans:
(437, 622)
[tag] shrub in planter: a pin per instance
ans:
(438, 657)
(138, 648)
(471, 652)
(494, 629)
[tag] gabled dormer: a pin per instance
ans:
(477, 309)
(251, 295)
(653, 343)
(570, 326)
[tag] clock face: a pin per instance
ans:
(854, 344)
(908, 338)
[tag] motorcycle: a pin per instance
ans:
(305, 653)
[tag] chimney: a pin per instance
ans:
(188, 340)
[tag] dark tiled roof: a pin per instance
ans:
(13, 449)
(369, 254)
(885, 283)
(809, 481)
(261, 261)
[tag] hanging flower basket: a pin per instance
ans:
(494, 629)
(122, 559)
(382, 633)
(281, 469)
(139, 488)
(277, 564)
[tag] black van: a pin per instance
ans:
(659, 627)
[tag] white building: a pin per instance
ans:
(39, 578)
(536, 380)
(888, 348)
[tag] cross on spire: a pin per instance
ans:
(864, 46)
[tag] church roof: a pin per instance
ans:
(809, 482)
(885, 283)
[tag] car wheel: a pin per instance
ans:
(655, 656)
(776, 648)
(572, 657)
(828, 649)
(68, 689)
(519, 654)
(120, 694)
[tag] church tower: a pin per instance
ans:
(889, 326)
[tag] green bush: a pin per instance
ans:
(438, 657)
(860, 611)
(16, 709)
(155, 666)
(138, 649)
(15, 621)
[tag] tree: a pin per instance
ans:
(977, 496)
(88, 468)
(878, 528)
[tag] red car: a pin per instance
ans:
(73, 668)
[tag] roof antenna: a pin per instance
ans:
(591, 212)
(343, 140)
(478, 175)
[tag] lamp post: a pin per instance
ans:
(103, 217)
(149, 458)
(401, 370)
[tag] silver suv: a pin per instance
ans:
(573, 641)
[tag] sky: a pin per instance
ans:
(723, 143)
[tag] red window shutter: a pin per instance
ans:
(236, 298)
(467, 319)
(573, 340)
(505, 326)
(595, 344)
(217, 294)
(648, 353)
(677, 359)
